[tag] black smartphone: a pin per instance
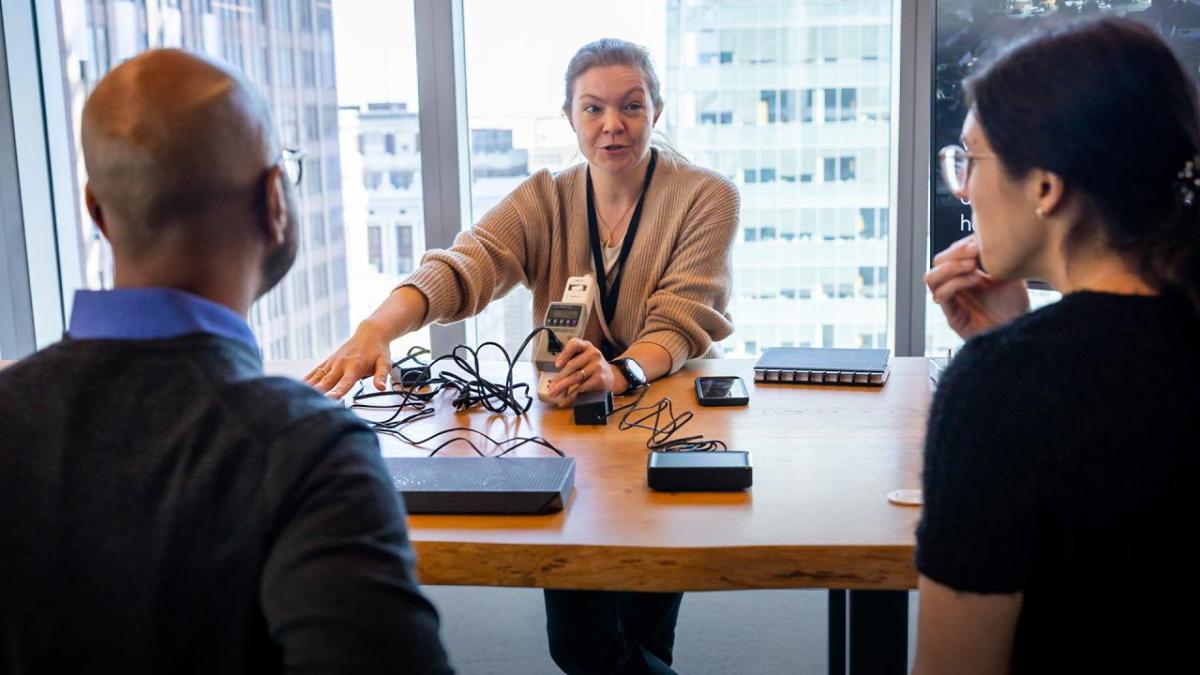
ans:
(725, 390)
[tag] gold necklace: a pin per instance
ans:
(608, 241)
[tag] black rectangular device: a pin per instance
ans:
(483, 484)
(725, 390)
(593, 407)
(726, 471)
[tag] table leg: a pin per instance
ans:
(877, 638)
(878, 632)
(837, 632)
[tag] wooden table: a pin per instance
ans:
(817, 516)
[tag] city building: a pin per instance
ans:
(791, 100)
(382, 178)
(286, 48)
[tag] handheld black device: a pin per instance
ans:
(721, 391)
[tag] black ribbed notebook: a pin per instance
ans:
(805, 365)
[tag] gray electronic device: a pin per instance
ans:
(566, 319)
(528, 485)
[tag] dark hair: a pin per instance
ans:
(611, 52)
(1106, 105)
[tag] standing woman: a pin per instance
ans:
(660, 229)
(1062, 454)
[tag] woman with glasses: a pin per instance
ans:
(1063, 445)
(655, 232)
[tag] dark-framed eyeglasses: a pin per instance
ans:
(955, 164)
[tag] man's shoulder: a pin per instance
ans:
(278, 407)
(32, 365)
(205, 376)
(39, 373)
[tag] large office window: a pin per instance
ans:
(340, 78)
(514, 98)
(812, 167)
(787, 99)
(966, 34)
(791, 99)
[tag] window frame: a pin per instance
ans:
(36, 195)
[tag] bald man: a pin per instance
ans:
(164, 507)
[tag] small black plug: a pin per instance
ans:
(553, 344)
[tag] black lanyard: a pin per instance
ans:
(608, 297)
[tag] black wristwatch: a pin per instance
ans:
(632, 372)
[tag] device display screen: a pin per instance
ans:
(699, 460)
(563, 315)
(721, 387)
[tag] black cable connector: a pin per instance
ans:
(553, 344)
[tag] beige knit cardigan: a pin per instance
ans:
(677, 278)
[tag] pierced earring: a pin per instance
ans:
(1040, 213)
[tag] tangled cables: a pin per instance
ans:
(660, 420)
(419, 385)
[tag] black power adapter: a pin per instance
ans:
(723, 471)
(593, 407)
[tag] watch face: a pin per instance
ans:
(633, 372)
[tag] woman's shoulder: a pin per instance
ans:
(693, 177)
(543, 190)
(542, 181)
(996, 354)
(1050, 335)
(565, 179)
(1009, 363)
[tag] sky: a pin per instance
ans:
(517, 50)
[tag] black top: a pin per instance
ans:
(1063, 461)
(166, 508)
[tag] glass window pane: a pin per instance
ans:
(324, 89)
(517, 125)
(745, 86)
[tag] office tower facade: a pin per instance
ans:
(285, 47)
(791, 100)
(387, 138)
(381, 152)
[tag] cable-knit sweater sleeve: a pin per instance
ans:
(486, 261)
(686, 312)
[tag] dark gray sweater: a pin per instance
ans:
(166, 508)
